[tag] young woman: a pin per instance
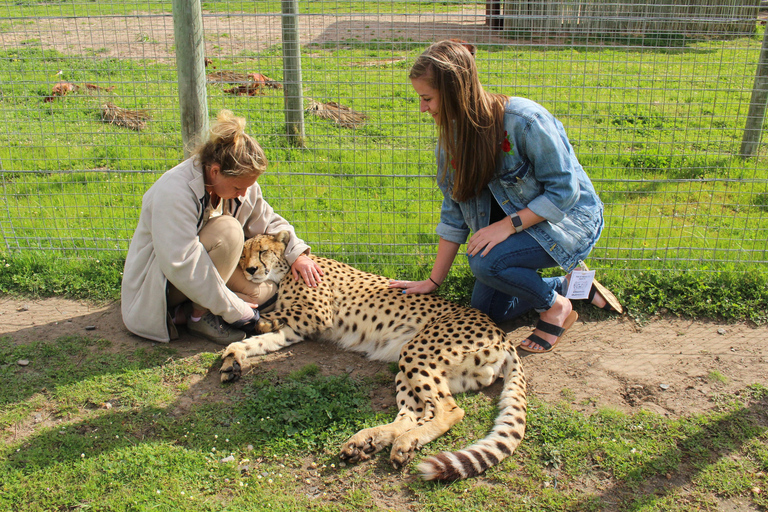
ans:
(509, 175)
(181, 264)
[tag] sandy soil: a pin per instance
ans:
(146, 36)
(669, 366)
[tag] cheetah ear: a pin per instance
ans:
(283, 237)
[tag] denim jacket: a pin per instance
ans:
(539, 171)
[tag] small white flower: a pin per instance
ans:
(82, 455)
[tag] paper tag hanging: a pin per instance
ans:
(580, 284)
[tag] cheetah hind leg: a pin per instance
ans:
(370, 441)
(438, 419)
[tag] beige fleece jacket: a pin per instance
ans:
(165, 247)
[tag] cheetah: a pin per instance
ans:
(441, 349)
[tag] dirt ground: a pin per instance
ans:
(150, 36)
(670, 366)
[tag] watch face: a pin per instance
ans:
(516, 221)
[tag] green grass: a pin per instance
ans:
(666, 167)
(162, 445)
(658, 130)
(729, 295)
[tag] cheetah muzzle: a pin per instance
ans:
(441, 348)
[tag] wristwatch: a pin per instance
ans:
(516, 222)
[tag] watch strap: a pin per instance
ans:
(517, 222)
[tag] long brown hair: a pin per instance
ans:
(470, 120)
(235, 151)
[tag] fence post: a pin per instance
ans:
(190, 70)
(294, 100)
(754, 126)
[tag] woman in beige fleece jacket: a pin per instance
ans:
(180, 267)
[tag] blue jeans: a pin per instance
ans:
(507, 283)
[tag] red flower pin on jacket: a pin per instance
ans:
(505, 144)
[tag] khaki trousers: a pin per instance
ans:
(222, 238)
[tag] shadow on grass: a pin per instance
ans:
(692, 455)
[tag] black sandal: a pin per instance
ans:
(612, 304)
(554, 330)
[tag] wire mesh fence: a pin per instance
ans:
(654, 95)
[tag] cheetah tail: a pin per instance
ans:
(502, 441)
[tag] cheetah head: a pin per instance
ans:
(263, 258)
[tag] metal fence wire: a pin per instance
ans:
(663, 101)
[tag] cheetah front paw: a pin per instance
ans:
(362, 446)
(232, 362)
(403, 451)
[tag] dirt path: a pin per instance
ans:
(150, 36)
(669, 366)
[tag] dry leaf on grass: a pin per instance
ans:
(133, 119)
(94, 87)
(265, 80)
(227, 77)
(249, 79)
(60, 89)
(245, 90)
(342, 115)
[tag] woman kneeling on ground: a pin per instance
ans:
(182, 261)
(509, 175)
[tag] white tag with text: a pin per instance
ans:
(580, 284)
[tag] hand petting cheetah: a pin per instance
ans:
(442, 349)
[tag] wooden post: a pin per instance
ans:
(756, 115)
(190, 70)
(294, 98)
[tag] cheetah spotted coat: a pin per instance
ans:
(442, 349)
